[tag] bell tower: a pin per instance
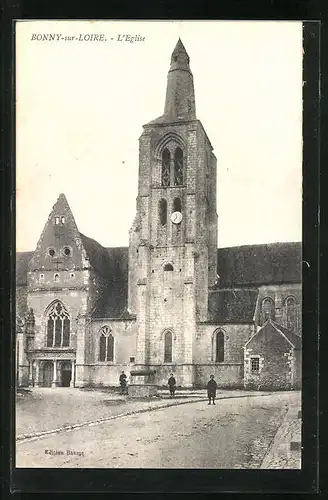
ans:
(173, 240)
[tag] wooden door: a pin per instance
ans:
(48, 373)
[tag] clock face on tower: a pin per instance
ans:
(176, 217)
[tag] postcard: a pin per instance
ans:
(159, 244)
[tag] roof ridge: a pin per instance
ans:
(248, 245)
(92, 239)
(282, 328)
(277, 327)
(110, 248)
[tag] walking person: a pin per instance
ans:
(123, 382)
(211, 390)
(172, 385)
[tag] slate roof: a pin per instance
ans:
(260, 264)
(232, 306)
(22, 260)
(119, 259)
(97, 254)
(233, 300)
(113, 303)
(111, 263)
(247, 265)
(294, 338)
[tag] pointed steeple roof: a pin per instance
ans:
(179, 57)
(180, 94)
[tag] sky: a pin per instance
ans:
(80, 107)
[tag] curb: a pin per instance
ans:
(271, 446)
(39, 435)
(270, 453)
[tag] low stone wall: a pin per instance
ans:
(100, 375)
(227, 375)
(183, 374)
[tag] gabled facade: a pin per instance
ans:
(171, 301)
(273, 358)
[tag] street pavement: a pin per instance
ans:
(238, 432)
(46, 409)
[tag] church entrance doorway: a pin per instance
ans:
(66, 374)
(48, 373)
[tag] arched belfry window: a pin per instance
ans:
(178, 167)
(219, 347)
(162, 209)
(268, 309)
(168, 267)
(166, 160)
(106, 345)
(291, 313)
(168, 340)
(177, 207)
(58, 326)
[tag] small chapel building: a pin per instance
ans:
(172, 301)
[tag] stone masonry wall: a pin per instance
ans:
(75, 301)
(107, 373)
(235, 337)
(279, 294)
(276, 362)
(228, 373)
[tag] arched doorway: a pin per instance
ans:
(48, 373)
(66, 374)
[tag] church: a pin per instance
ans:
(170, 302)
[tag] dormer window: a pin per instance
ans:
(62, 220)
(56, 220)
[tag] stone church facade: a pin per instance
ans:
(172, 301)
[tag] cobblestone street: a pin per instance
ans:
(238, 432)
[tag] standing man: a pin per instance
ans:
(211, 389)
(172, 385)
(123, 382)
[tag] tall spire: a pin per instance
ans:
(180, 95)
